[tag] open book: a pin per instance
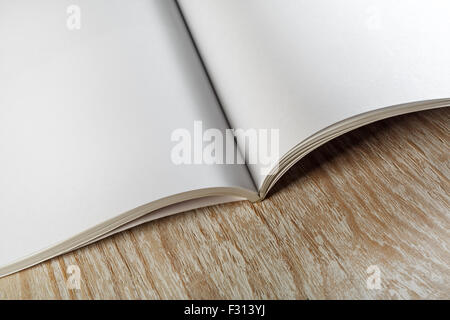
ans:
(115, 113)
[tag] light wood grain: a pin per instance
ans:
(376, 196)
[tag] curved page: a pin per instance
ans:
(86, 117)
(300, 66)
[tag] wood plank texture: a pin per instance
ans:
(375, 196)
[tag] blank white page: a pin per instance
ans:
(301, 65)
(86, 117)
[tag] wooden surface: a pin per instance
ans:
(376, 196)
